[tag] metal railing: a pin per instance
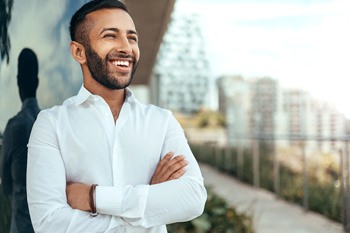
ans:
(301, 141)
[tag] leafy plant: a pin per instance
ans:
(218, 217)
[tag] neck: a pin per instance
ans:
(115, 101)
(114, 98)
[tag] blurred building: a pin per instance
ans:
(259, 108)
(263, 107)
(296, 107)
(317, 121)
(180, 77)
(235, 104)
(329, 123)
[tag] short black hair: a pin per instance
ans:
(77, 29)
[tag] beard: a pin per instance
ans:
(98, 68)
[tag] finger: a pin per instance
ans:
(156, 178)
(170, 165)
(174, 172)
(177, 174)
(174, 168)
(166, 158)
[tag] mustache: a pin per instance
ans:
(116, 55)
(121, 55)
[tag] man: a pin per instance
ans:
(16, 136)
(104, 162)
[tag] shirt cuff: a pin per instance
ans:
(123, 201)
(108, 200)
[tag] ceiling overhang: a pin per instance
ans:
(151, 18)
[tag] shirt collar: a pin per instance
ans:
(84, 94)
(129, 96)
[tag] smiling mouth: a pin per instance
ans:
(123, 66)
(121, 63)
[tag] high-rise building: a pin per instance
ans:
(329, 124)
(259, 108)
(180, 77)
(264, 107)
(296, 106)
(234, 103)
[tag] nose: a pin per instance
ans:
(124, 46)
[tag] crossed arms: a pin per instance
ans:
(169, 168)
(172, 194)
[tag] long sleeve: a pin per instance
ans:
(80, 142)
(46, 186)
(173, 201)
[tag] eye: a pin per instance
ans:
(109, 35)
(133, 38)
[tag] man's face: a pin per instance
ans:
(113, 51)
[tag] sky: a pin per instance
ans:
(303, 44)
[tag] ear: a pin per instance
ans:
(78, 52)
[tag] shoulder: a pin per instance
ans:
(152, 110)
(50, 112)
(55, 111)
(142, 108)
(156, 116)
(49, 117)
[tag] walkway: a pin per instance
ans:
(270, 215)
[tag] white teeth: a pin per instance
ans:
(121, 63)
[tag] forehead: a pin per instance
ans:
(111, 18)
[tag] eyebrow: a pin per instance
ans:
(117, 30)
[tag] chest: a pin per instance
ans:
(107, 154)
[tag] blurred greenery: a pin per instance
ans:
(324, 196)
(202, 119)
(207, 118)
(218, 217)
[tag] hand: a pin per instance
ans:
(169, 168)
(78, 196)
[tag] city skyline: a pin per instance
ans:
(302, 44)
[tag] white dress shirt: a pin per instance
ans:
(79, 141)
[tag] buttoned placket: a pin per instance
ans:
(116, 150)
(117, 153)
(112, 130)
(108, 125)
